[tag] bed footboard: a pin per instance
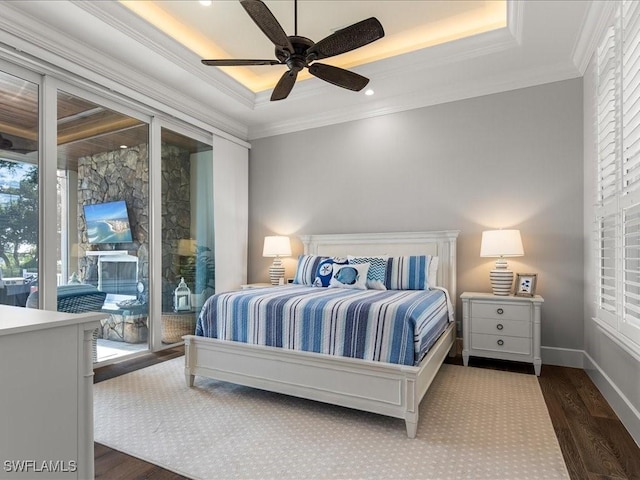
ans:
(387, 389)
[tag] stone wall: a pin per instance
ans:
(124, 175)
(176, 216)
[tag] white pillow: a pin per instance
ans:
(432, 277)
(349, 276)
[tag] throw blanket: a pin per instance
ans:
(395, 326)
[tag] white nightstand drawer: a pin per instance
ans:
(498, 326)
(506, 310)
(496, 343)
(504, 327)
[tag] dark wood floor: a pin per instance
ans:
(595, 444)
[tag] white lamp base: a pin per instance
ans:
(501, 278)
(276, 271)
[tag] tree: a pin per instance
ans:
(19, 214)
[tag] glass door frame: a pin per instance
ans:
(155, 214)
(138, 114)
(46, 274)
(49, 82)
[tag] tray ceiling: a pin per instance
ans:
(224, 30)
(112, 45)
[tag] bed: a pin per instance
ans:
(374, 378)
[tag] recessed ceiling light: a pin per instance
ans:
(205, 3)
(369, 92)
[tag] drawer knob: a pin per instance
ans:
(500, 311)
(500, 342)
(499, 326)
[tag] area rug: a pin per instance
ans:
(474, 424)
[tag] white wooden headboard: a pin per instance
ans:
(440, 243)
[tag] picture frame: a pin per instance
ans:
(526, 284)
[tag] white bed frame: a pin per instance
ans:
(387, 389)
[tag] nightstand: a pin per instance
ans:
(502, 327)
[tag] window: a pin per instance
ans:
(103, 216)
(617, 209)
(19, 189)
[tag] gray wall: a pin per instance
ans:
(510, 160)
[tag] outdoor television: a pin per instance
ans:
(108, 223)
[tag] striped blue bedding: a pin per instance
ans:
(394, 326)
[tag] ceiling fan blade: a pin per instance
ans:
(347, 39)
(268, 23)
(284, 86)
(237, 63)
(5, 143)
(338, 76)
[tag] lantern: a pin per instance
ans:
(182, 297)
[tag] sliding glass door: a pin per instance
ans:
(19, 196)
(188, 268)
(117, 217)
(103, 221)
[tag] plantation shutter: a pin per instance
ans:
(607, 177)
(617, 210)
(607, 119)
(630, 195)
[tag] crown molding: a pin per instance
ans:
(412, 63)
(142, 32)
(48, 50)
(413, 100)
(16, 54)
(597, 19)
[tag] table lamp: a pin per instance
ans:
(501, 243)
(276, 246)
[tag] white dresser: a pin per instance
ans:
(46, 394)
(503, 327)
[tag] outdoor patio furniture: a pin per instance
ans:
(76, 298)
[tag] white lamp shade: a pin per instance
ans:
(501, 243)
(186, 247)
(276, 246)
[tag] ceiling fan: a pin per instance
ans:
(299, 52)
(7, 145)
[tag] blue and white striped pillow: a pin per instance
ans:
(414, 272)
(377, 270)
(307, 268)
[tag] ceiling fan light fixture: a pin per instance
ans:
(298, 52)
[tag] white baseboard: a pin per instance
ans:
(628, 414)
(563, 357)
